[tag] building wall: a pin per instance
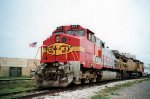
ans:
(4, 71)
(26, 64)
(31, 65)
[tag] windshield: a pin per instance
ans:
(61, 32)
(76, 32)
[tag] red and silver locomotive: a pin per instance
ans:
(72, 54)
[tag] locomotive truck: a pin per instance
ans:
(73, 54)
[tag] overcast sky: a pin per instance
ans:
(122, 24)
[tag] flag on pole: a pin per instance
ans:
(33, 44)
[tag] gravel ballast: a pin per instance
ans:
(136, 91)
(86, 93)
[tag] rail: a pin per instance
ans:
(16, 79)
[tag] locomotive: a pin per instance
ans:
(73, 54)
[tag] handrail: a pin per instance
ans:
(37, 52)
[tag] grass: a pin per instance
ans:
(104, 94)
(12, 78)
(99, 96)
(16, 86)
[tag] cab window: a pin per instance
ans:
(91, 37)
(59, 32)
(76, 32)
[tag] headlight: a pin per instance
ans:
(55, 64)
(74, 26)
(57, 38)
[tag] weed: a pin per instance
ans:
(99, 96)
(114, 93)
(17, 86)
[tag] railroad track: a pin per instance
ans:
(12, 94)
(51, 91)
(54, 91)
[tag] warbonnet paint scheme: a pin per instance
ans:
(72, 54)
